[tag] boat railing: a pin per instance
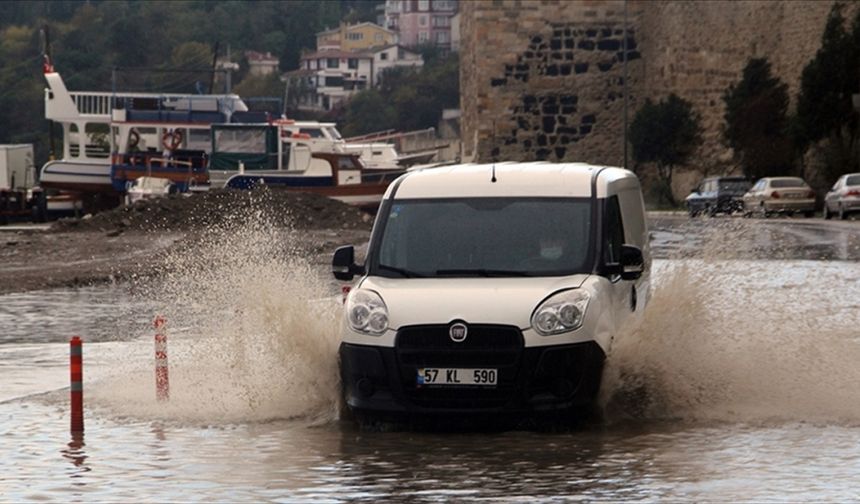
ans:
(195, 160)
(96, 104)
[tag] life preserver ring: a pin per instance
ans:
(172, 139)
(133, 139)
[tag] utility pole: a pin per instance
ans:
(624, 46)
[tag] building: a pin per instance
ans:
(330, 77)
(261, 63)
(357, 37)
(422, 22)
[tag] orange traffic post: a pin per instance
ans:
(76, 362)
(162, 382)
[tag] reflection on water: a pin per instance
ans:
(291, 461)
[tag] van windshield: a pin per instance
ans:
(499, 237)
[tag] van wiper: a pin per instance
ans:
(484, 272)
(404, 272)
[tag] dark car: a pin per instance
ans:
(718, 195)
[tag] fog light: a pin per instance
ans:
(365, 387)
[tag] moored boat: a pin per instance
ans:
(276, 154)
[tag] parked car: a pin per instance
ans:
(844, 197)
(786, 195)
(492, 289)
(718, 195)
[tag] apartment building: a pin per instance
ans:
(330, 77)
(356, 37)
(422, 22)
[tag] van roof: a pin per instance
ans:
(512, 179)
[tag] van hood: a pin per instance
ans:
(507, 301)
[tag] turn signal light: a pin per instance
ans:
(774, 195)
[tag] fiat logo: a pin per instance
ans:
(458, 332)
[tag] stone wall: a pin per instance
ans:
(542, 79)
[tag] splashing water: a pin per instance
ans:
(729, 339)
(252, 333)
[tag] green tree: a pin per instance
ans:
(368, 111)
(260, 86)
(415, 96)
(824, 106)
(756, 125)
(665, 133)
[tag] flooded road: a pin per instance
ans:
(739, 385)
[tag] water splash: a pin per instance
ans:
(728, 339)
(252, 333)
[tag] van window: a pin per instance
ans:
(466, 237)
(614, 231)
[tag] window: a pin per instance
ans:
(441, 21)
(352, 63)
(422, 20)
(354, 36)
(444, 5)
(378, 37)
(97, 140)
(423, 5)
(383, 56)
(788, 182)
(614, 238)
(331, 63)
(442, 37)
(243, 140)
(334, 81)
(853, 180)
(485, 237)
(423, 37)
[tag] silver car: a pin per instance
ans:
(844, 197)
(785, 195)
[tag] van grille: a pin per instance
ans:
(486, 346)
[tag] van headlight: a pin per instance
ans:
(366, 312)
(561, 312)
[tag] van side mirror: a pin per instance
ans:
(632, 262)
(343, 265)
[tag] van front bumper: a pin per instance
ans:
(383, 381)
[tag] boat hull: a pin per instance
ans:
(76, 176)
(366, 195)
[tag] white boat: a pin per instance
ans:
(97, 126)
(282, 153)
(324, 137)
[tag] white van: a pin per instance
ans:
(492, 288)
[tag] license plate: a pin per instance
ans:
(458, 376)
(794, 195)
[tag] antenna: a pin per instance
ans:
(493, 153)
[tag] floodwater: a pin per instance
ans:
(740, 384)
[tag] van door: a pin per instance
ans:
(614, 238)
(636, 234)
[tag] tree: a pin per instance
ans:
(414, 96)
(824, 106)
(756, 125)
(665, 133)
(368, 111)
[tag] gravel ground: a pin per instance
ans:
(178, 212)
(133, 241)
